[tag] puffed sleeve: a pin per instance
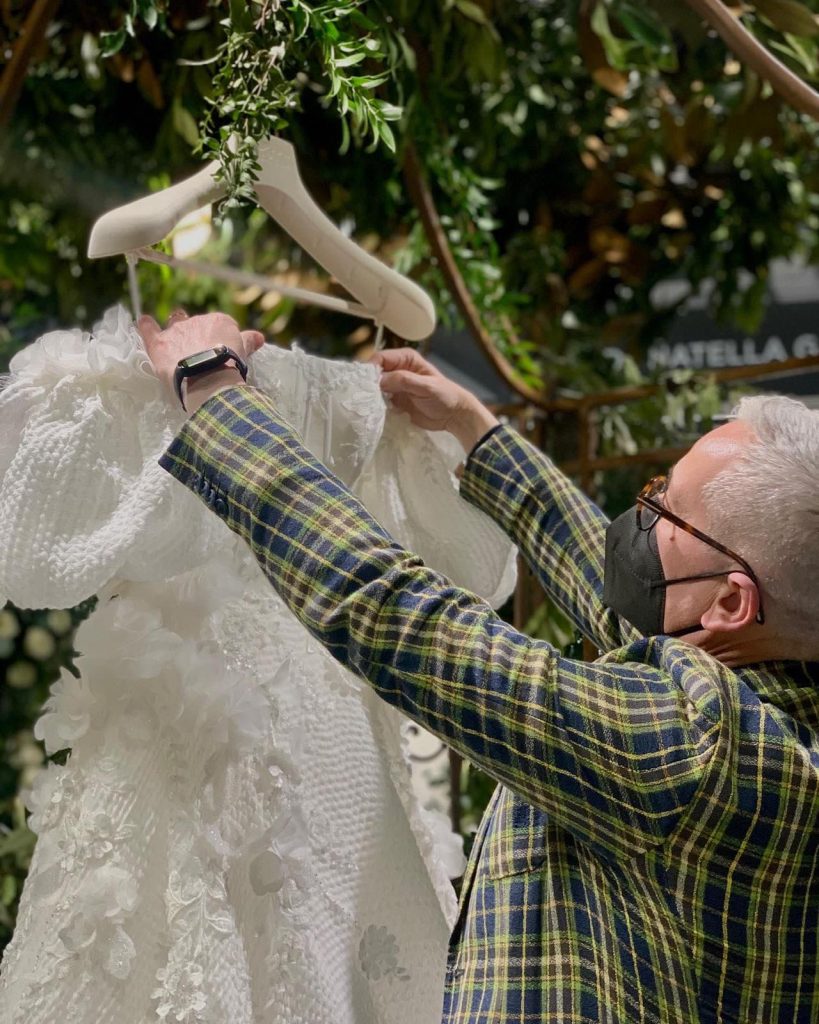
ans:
(83, 418)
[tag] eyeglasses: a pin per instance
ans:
(650, 510)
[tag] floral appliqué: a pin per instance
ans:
(378, 955)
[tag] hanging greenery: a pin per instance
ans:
(579, 153)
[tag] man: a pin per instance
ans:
(652, 851)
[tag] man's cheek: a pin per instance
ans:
(659, 542)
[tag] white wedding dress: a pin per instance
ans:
(234, 838)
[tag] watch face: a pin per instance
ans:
(202, 358)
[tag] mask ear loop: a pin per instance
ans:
(133, 284)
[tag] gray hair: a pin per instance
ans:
(766, 507)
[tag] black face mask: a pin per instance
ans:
(634, 584)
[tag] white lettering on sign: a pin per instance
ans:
(806, 345)
(774, 351)
(719, 353)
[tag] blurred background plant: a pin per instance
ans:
(578, 154)
(34, 646)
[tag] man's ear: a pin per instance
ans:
(735, 606)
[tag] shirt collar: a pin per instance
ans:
(792, 686)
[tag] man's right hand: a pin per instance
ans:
(432, 400)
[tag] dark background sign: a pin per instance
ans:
(695, 341)
(789, 330)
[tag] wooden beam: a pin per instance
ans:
(786, 368)
(662, 456)
(748, 49)
(422, 197)
(14, 75)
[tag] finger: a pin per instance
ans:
(403, 403)
(406, 358)
(149, 329)
(253, 341)
(404, 381)
(399, 359)
(178, 314)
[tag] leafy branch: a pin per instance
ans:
(269, 57)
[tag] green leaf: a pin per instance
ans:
(387, 135)
(789, 16)
(350, 60)
(8, 890)
(471, 10)
(150, 16)
(799, 50)
(184, 124)
(642, 26)
(407, 51)
(345, 136)
(667, 59)
(112, 42)
(240, 17)
(616, 49)
(300, 20)
(363, 22)
(362, 82)
(17, 842)
(390, 112)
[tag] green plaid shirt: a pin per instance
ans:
(652, 851)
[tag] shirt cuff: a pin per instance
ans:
(485, 437)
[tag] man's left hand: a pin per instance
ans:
(183, 336)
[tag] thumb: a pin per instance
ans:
(149, 329)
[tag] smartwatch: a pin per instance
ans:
(200, 362)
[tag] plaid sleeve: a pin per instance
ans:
(607, 750)
(559, 531)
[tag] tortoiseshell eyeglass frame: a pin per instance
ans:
(646, 499)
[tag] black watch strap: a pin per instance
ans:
(204, 361)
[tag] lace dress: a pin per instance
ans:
(234, 836)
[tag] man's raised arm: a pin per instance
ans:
(609, 751)
(558, 529)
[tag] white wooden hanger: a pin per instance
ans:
(384, 295)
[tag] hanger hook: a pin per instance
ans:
(133, 284)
